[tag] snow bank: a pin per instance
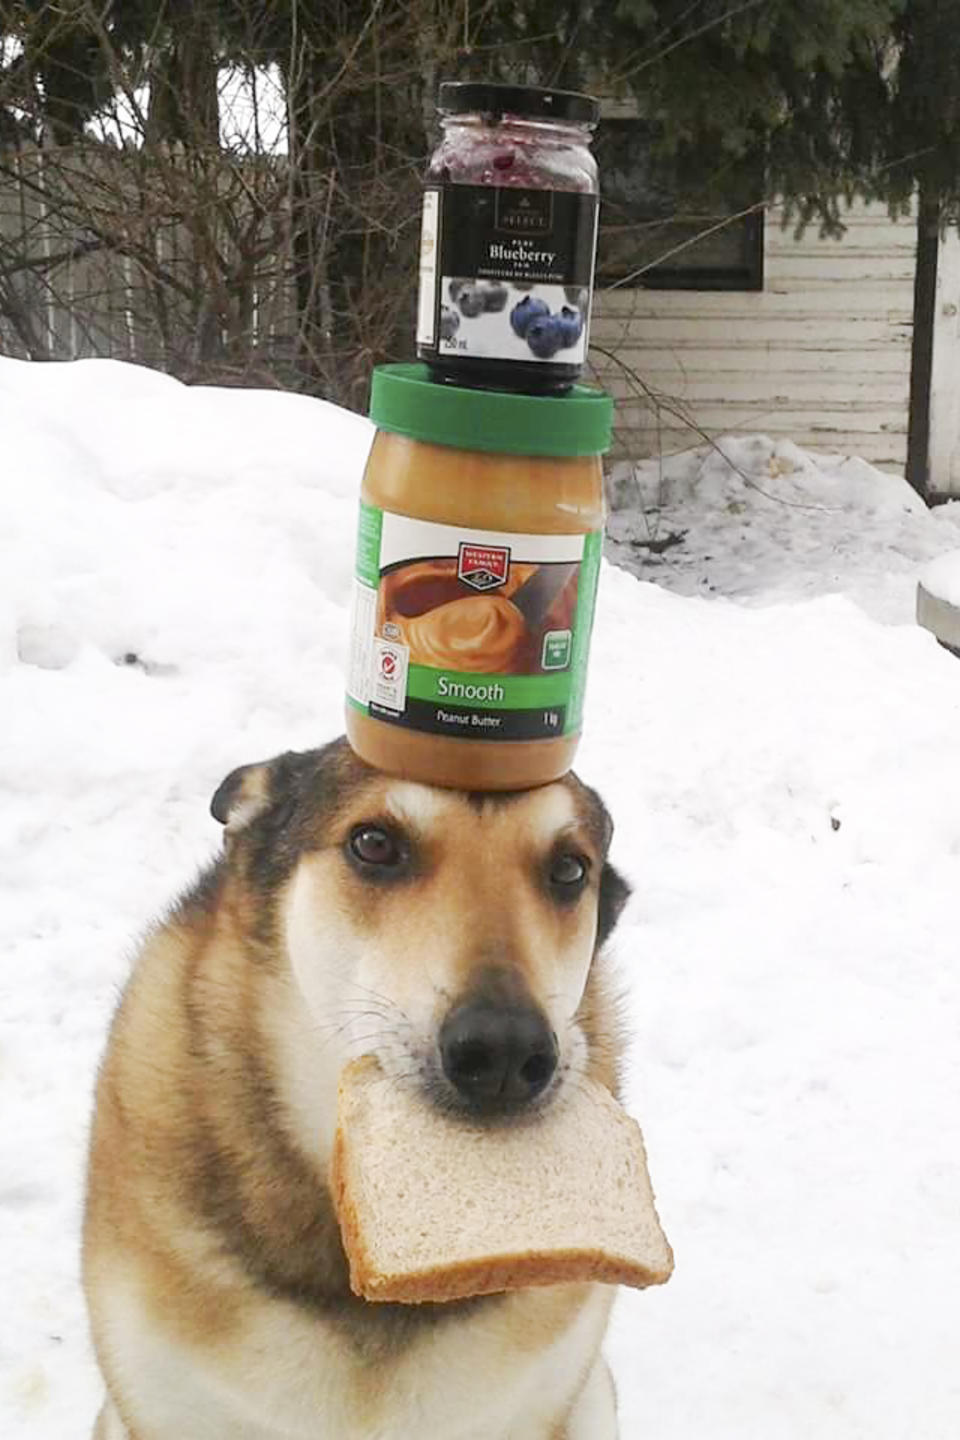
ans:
(938, 599)
(784, 780)
(942, 578)
(764, 521)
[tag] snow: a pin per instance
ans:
(942, 578)
(764, 522)
(778, 743)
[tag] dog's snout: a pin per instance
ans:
(497, 1057)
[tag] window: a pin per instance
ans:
(665, 227)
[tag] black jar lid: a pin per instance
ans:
(469, 97)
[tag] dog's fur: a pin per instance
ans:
(213, 1269)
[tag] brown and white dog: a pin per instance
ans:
(455, 936)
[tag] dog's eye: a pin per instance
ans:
(568, 874)
(372, 845)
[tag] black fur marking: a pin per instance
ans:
(614, 894)
(304, 789)
(479, 799)
(203, 896)
(226, 793)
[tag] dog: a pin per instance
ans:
(455, 936)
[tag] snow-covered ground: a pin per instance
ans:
(762, 523)
(942, 578)
(784, 775)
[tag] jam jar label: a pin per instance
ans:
(473, 633)
(506, 273)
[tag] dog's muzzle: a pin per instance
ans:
(498, 1058)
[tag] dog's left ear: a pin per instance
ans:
(614, 890)
(272, 785)
(614, 894)
(242, 796)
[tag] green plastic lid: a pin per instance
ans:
(407, 401)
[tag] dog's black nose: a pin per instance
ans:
(497, 1057)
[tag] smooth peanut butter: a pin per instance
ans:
(475, 581)
(483, 633)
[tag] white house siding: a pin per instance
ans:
(820, 356)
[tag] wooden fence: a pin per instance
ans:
(166, 258)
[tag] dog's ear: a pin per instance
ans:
(614, 890)
(614, 894)
(242, 796)
(273, 786)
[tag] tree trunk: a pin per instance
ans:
(184, 102)
(355, 145)
(309, 204)
(921, 350)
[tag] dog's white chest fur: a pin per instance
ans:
(290, 1377)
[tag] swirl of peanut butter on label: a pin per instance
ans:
(485, 634)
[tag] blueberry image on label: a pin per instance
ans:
(470, 300)
(494, 298)
(455, 286)
(544, 336)
(522, 284)
(449, 322)
(570, 323)
(525, 312)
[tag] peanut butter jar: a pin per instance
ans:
(478, 555)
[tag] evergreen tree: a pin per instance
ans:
(796, 86)
(52, 66)
(837, 97)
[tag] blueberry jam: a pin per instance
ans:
(509, 238)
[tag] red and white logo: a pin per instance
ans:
(483, 567)
(389, 680)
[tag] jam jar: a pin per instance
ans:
(478, 553)
(508, 238)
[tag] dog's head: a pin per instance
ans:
(452, 935)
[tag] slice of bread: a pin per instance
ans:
(434, 1208)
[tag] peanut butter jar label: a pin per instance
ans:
(471, 633)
